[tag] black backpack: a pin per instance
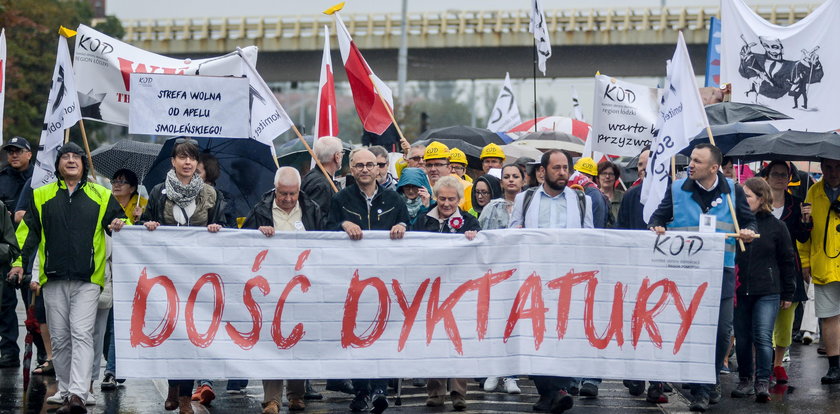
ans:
(529, 195)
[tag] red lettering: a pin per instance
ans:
(138, 312)
(616, 324)
(435, 313)
(297, 332)
(204, 340)
(127, 67)
(351, 311)
(565, 284)
(408, 310)
(686, 315)
(258, 260)
(123, 97)
(643, 317)
(247, 340)
(532, 287)
(483, 285)
(302, 259)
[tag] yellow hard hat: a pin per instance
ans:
(436, 151)
(457, 156)
(587, 165)
(492, 151)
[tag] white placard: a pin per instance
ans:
(195, 106)
(578, 303)
(624, 116)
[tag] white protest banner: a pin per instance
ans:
(104, 65)
(197, 106)
(624, 116)
(579, 303)
(505, 113)
(787, 68)
(62, 112)
(268, 118)
(681, 118)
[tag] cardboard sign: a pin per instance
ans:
(624, 116)
(196, 106)
(578, 303)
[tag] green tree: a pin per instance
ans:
(111, 26)
(31, 36)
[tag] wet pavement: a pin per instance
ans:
(805, 394)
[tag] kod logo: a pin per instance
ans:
(687, 246)
(145, 80)
(618, 94)
(94, 45)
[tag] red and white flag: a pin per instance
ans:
(326, 113)
(372, 111)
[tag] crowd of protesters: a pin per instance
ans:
(766, 283)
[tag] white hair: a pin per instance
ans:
(326, 147)
(287, 176)
(450, 182)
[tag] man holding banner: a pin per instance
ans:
(689, 205)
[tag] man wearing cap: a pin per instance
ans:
(15, 174)
(74, 273)
(458, 164)
(492, 156)
(585, 172)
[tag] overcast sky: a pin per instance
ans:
(129, 9)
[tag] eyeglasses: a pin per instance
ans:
(361, 166)
(458, 167)
(416, 158)
(119, 182)
(482, 193)
(436, 165)
(382, 164)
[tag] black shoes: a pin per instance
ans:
(310, 393)
(699, 403)
(345, 386)
(359, 403)
(561, 402)
(589, 390)
(762, 391)
(832, 377)
(72, 405)
(379, 402)
(636, 388)
(9, 361)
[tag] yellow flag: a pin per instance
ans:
(68, 33)
(334, 9)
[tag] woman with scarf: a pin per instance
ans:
(184, 199)
(415, 190)
(485, 189)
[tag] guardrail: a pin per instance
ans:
(439, 29)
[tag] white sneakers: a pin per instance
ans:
(491, 383)
(508, 385)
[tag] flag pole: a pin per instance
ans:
(536, 59)
(728, 198)
(403, 141)
(87, 147)
(312, 153)
(67, 135)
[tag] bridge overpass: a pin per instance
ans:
(454, 45)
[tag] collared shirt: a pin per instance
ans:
(714, 185)
(552, 210)
(284, 221)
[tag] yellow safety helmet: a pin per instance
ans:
(436, 151)
(492, 151)
(587, 165)
(457, 156)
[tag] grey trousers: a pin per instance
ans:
(273, 388)
(71, 312)
(436, 387)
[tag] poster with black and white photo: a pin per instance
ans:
(623, 117)
(792, 69)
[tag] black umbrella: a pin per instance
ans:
(729, 135)
(479, 137)
(788, 146)
(247, 169)
(730, 112)
(132, 155)
(473, 152)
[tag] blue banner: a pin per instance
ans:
(713, 54)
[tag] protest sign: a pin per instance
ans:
(579, 303)
(624, 116)
(104, 64)
(197, 106)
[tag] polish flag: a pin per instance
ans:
(372, 112)
(326, 113)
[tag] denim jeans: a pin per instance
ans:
(724, 331)
(755, 317)
(111, 356)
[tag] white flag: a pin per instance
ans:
(2, 78)
(505, 113)
(540, 30)
(577, 110)
(62, 113)
(268, 118)
(681, 117)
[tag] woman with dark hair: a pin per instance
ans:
(184, 199)
(608, 178)
(209, 170)
(764, 283)
(485, 189)
(124, 188)
(788, 209)
(496, 214)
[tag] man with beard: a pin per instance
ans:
(553, 205)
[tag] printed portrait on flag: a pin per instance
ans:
(786, 68)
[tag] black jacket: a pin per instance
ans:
(665, 212)
(631, 212)
(11, 184)
(9, 249)
(767, 266)
(792, 217)
(387, 209)
(262, 215)
(431, 224)
(317, 186)
(155, 209)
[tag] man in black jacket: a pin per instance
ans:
(315, 184)
(365, 205)
(14, 175)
